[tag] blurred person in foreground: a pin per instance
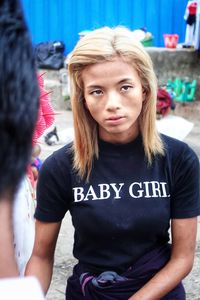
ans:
(25, 198)
(124, 184)
(19, 100)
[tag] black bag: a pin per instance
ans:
(50, 55)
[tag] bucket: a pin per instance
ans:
(171, 40)
(147, 42)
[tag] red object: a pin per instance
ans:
(171, 40)
(45, 120)
(192, 8)
(45, 113)
(164, 102)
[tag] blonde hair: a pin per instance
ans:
(98, 46)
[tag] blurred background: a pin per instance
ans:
(64, 19)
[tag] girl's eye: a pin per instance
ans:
(126, 88)
(96, 92)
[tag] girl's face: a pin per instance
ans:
(113, 95)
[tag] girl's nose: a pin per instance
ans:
(113, 101)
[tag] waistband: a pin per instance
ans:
(111, 285)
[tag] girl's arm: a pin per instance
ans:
(41, 261)
(180, 264)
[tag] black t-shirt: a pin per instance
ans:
(125, 209)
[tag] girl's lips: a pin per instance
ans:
(115, 120)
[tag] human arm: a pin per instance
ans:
(41, 261)
(180, 264)
(8, 265)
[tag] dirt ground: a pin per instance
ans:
(64, 260)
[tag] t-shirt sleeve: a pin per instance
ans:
(185, 194)
(53, 191)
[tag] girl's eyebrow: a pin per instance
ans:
(95, 86)
(125, 80)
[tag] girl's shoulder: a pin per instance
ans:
(175, 145)
(61, 156)
(178, 150)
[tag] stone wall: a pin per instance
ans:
(171, 63)
(168, 64)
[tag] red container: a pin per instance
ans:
(171, 40)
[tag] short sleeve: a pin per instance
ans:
(185, 199)
(53, 190)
